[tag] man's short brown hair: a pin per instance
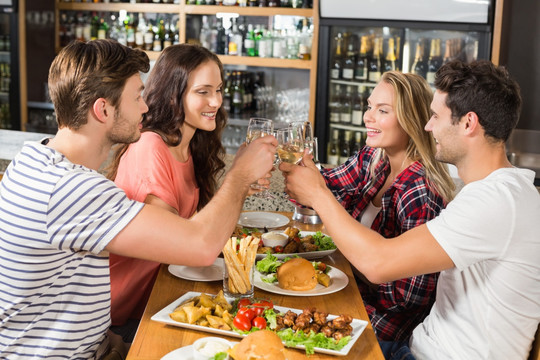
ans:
(86, 71)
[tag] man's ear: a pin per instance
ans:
(472, 123)
(101, 110)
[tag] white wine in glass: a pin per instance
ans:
(290, 145)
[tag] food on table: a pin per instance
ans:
(274, 238)
(205, 310)
(312, 320)
(270, 265)
(261, 344)
(239, 255)
(297, 274)
(210, 347)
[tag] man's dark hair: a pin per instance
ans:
(484, 89)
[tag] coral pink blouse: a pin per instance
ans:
(148, 167)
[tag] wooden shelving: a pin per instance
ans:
(183, 10)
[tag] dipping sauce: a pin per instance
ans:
(206, 348)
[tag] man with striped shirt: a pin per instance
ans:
(59, 217)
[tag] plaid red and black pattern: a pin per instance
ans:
(397, 307)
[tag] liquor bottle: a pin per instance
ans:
(375, 63)
(334, 106)
(435, 60)
(304, 41)
(221, 38)
(253, 3)
(237, 94)
(398, 53)
(227, 92)
(345, 148)
(358, 142)
(390, 61)
(139, 31)
(168, 36)
(235, 40)
(149, 38)
(130, 30)
(361, 67)
(349, 62)
(358, 107)
(272, 3)
(242, 3)
(249, 41)
(204, 36)
(447, 51)
(346, 107)
(264, 43)
(419, 66)
(103, 30)
(332, 153)
(94, 26)
(337, 61)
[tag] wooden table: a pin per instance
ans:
(154, 340)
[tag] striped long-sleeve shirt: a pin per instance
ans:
(56, 218)
(394, 308)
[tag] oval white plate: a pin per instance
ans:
(338, 281)
(261, 219)
(306, 255)
(183, 353)
(199, 273)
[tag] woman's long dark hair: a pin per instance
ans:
(164, 92)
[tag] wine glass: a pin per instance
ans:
(259, 127)
(290, 144)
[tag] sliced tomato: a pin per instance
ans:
(248, 312)
(243, 303)
(259, 322)
(242, 322)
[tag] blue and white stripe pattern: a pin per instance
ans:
(56, 218)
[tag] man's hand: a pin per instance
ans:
(254, 161)
(303, 183)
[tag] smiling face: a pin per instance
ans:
(380, 118)
(449, 148)
(203, 97)
(129, 112)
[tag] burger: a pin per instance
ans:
(297, 274)
(259, 345)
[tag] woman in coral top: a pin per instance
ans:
(175, 164)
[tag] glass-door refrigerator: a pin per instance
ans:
(361, 39)
(9, 66)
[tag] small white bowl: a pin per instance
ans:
(205, 348)
(274, 238)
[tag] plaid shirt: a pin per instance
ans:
(394, 308)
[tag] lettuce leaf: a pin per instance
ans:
(311, 340)
(269, 264)
(323, 242)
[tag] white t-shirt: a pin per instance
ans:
(56, 218)
(488, 306)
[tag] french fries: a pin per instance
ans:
(239, 263)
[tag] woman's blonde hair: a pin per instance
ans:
(412, 101)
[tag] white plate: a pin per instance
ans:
(261, 219)
(202, 273)
(338, 281)
(183, 353)
(306, 255)
(163, 317)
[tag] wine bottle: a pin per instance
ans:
(390, 61)
(358, 142)
(435, 60)
(332, 153)
(358, 107)
(345, 148)
(335, 104)
(375, 63)
(346, 107)
(419, 66)
(448, 51)
(349, 62)
(337, 64)
(361, 67)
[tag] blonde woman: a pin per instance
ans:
(391, 185)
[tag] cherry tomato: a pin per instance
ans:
(259, 322)
(278, 249)
(267, 304)
(243, 303)
(321, 266)
(248, 312)
(297, 239)
(258, 308)
(242, 322)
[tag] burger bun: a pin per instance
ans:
(260, 345)
(297, 274)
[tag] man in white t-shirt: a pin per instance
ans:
(486, 243)
(59, 217)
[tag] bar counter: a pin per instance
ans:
(154, 340)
